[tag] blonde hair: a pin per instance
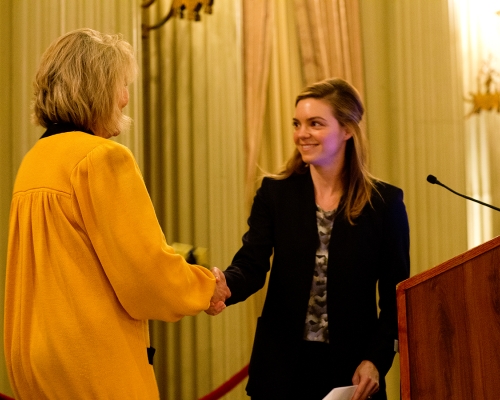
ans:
(81, 79)
(348, 109)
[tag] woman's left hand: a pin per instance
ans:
(366, 377)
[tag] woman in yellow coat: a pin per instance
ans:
(88, 264)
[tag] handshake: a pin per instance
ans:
(221, 293)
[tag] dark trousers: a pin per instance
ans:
(314, 376)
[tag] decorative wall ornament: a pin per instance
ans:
(489, 99)
(178, 9)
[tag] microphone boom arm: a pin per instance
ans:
(432, 179)
(469, 198)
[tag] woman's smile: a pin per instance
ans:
(318, 135)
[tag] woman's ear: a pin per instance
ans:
(347, 133)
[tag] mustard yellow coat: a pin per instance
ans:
(87, 266)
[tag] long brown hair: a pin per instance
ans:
(348, 109)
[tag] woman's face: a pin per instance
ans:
(122, 102)
(319, 137)
(123, 98)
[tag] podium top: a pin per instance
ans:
(450, 264)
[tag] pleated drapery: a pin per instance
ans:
(415, 118)
(327, 37)
(286, 80)
(258, 22)
(477, 27)
(415, 121)
(193, 92)
(330, 37)
(421, 62)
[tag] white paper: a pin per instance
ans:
(341, 393)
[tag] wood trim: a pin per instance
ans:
(451, 263)
(404, 359)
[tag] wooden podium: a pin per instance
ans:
(449, 328)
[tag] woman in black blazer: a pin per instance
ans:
(337, 235)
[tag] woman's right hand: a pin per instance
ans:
(366, 377)
(221, 293)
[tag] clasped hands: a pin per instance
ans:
(221, 293)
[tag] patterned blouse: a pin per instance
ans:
(316, 328)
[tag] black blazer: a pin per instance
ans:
(374, 250)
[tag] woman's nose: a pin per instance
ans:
(302, 132)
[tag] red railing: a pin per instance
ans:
(227, 386)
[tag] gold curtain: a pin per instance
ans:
(415, 123)
(415, 117)
(258, 23)
(288, 45)
(194, 171)
(423, 93)
(286, 79)
(477, 27)
(330, 37)
(269, 100)
(330, 41)
(308, 41)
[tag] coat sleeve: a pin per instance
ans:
(116, 212)
(395, 268)
(248, 270)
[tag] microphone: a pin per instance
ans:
(432, 179)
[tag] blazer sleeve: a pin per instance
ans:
(395, 268)
(116, 212)
(250, 265)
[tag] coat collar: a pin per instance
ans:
(61, 127)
